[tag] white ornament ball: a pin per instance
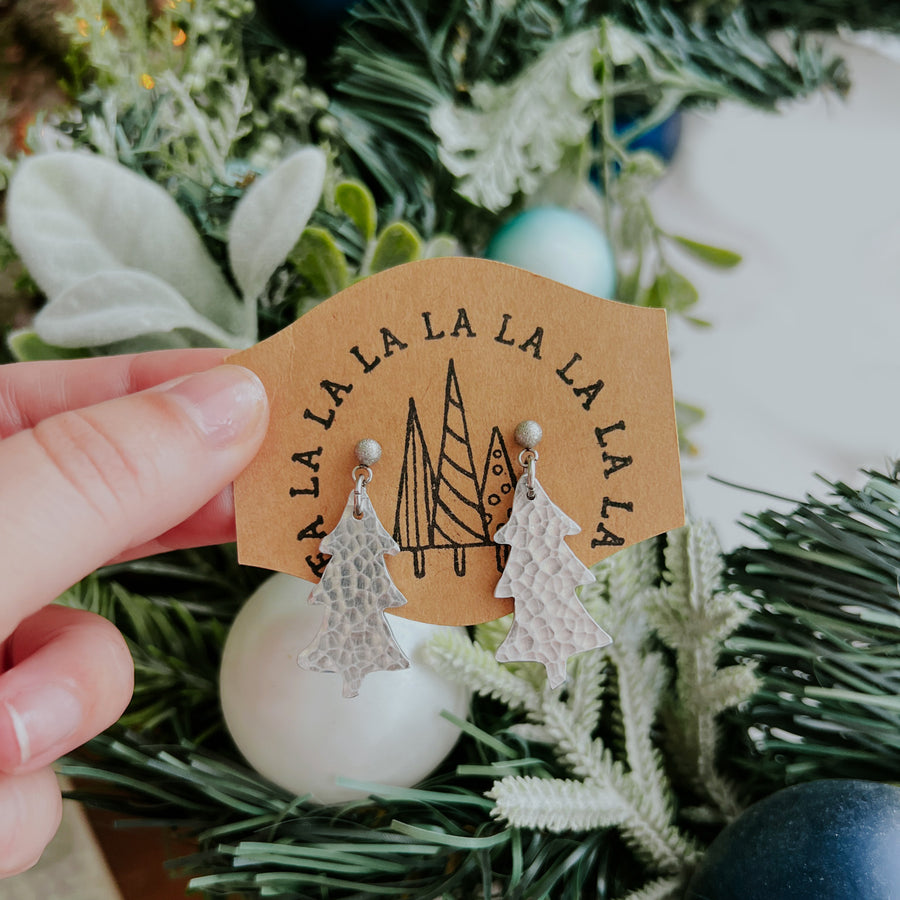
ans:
(559, 244)
(295, 727)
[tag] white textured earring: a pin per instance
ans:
(355, 639)
(541, 574)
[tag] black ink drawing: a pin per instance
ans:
(451, 507)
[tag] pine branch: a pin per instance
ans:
(556, 805)
(589, 673)
(728, 57)
(641, 682)
(455, 657)
(176, 657)
(660, 889)
(693, 616)
(646, 815)
(824, 630)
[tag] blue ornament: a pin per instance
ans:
(825, 840)
(662, 139)
(560, 244)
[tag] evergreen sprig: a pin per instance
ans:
(173, 612)
(825, 632)
(436, 840)
(562, 794)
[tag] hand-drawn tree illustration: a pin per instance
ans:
(459, 515)
(414, 519)
(498, 483)
(355, 638)
(541, 575)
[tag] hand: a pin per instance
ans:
(100, 459)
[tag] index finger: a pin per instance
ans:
(87, 485)
(33, 391)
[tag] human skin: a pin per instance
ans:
(101, 460)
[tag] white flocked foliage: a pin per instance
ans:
(621, 781)
(514, 135)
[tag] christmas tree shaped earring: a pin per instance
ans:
(541, 574)
(355, 639)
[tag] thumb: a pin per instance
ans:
(86, 485)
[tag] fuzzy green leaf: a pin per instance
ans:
(441, 245)
(357, 202)
(321, 262)
(397, 244)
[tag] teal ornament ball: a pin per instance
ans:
(833, 839)
(559, 244)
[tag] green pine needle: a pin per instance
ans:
(825, 631)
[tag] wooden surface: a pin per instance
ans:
(136, 858)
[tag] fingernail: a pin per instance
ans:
(226, 403)
(42, 718)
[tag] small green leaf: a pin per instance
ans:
(321, 262)
(716, 256)
(26, 346)
(672, 291)
(356, 200)
(397, 244)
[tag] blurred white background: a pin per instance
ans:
(800, 372)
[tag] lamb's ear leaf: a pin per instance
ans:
(73, 215)
(271, 216)
(118, 305)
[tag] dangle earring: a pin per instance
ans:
(355, 639)
(541, 574)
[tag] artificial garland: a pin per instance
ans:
(825, 629)
(616, 785)
(612, 782)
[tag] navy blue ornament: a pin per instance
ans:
(825, 840)
(559, 244)
(662, 139)
(306, 25)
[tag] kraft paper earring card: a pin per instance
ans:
(439, 361)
